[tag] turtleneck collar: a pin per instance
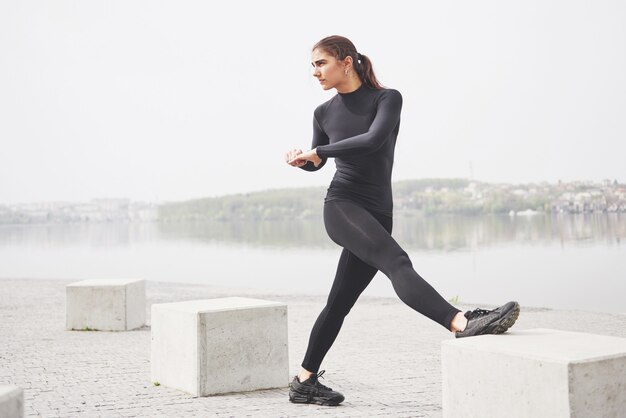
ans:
(360, 89)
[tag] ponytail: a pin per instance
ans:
(365, 71)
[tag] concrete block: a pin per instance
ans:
(106, 305)
(534, 373)
(211, 346)
(11, 401)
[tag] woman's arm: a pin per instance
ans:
(319, 138)
(385, 121)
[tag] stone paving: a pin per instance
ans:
(386, 360)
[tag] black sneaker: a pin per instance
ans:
(482, 321)
(312, 391)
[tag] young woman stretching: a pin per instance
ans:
(358, 128)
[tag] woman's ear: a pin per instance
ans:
(347, 62)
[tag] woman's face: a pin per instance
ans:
(327, 69)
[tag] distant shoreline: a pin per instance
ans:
(423, 196)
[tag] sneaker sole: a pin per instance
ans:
(507, 321)
(500, 325)
(296, 397)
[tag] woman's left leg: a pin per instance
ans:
(354, 228)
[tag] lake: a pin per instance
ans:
(560, 261)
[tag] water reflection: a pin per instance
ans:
(461, 232)
(95, 235)
(447, 233)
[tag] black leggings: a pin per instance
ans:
(368, 247)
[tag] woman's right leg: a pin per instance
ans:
(357, 230)
(352, 277)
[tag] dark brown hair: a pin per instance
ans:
(340, 47)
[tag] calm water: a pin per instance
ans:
(555, 261)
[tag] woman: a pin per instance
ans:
(358, 127)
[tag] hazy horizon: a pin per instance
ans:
(180, 100)
(268, 189)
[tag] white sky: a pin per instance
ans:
(170, 100)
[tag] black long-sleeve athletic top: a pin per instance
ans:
(359, 129)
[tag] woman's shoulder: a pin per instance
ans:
(388, 91)
(321, 108)
(389, 95)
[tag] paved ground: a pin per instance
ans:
(386, 360)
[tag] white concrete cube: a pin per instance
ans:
(106, 305)
(534, 373)
(11, 401)
(211, 346)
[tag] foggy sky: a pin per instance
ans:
(171, 100)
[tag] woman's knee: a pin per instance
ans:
(396, 263)
(338, 308)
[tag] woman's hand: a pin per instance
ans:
(297, 158)
(290, 155)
